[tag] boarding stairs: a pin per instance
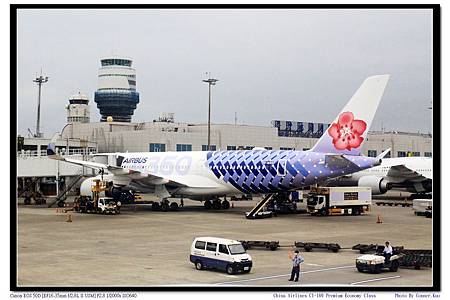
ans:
(257, 211)
(28, 187)
(62, 194)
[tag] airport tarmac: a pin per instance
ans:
(141, 247)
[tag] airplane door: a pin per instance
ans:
(281, 167)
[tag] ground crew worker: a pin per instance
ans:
(297, 259)
(387, 252)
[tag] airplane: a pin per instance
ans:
(208, 175)
(412, 174)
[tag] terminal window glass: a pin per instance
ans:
(155, 147)
(231, 147)
(372, 153)
(268, 148)
(286, 148)
(211, 147)
(184, 147)
(401, 154)
(200, 245)
(223, 249)
(416, 154)
(388, 155)
(427, 154)
(211, 246)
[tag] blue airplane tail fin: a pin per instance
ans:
(346, 134)
(51, 147)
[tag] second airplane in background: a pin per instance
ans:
(412, 174)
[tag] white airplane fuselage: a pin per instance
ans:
(234, 172)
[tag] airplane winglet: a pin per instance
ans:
(384, 153)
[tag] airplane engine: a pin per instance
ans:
(378, 184)
(86, 186)
(118, 193)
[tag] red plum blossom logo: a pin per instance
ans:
(346, 133)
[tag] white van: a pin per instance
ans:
(218, 253)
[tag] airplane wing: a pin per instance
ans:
(89, 164)
(403, 173)
(138, 175)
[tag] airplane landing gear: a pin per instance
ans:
(225, 204)
(217, 204)
(207, 204)
(164, 205)
(173, 206)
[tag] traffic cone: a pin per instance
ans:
(69, 218)
(379, 219)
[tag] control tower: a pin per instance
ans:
(116, 95)
(78, 109)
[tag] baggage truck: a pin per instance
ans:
(339, 200)
(423, 207)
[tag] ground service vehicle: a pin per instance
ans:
(423, 207)
(339, 200)
(105, 205)
(108, 205)
(222, 254)
(376, 263)
(96, 203)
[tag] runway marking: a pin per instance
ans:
(375, 279)
(314, 265)
(283, 275)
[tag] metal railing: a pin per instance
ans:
(62, 152)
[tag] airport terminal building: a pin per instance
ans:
(164, 135)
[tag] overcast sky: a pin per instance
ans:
(301, 65)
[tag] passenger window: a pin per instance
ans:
(211, 246)
(200, 245)
(223, 249)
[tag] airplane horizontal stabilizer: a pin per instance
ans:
(338, 161)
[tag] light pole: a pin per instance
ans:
(40, 81)
(431, 110)
(210, 81)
